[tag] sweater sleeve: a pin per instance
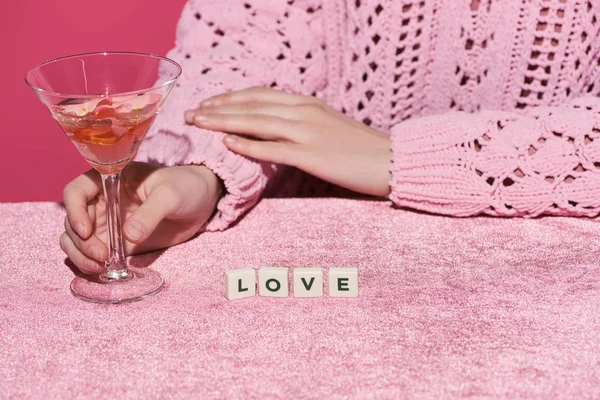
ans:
(228, 45)
(500, 163)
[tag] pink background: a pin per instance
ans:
(36, 158)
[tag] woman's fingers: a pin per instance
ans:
(279, 153)
(258, 126)
(85, 264)
(91, 247)
(76, 196)
(266, 109)
(260, 95)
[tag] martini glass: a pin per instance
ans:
(105, 103)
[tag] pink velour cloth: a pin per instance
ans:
(448, 308)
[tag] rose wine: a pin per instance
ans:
(107, 133)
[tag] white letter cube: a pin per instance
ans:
(343, 282)
(308, 282)
(273, 282)
(240, 283)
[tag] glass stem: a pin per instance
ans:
(116, 264)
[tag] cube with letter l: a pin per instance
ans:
(240, 283)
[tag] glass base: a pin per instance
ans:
(138, 284)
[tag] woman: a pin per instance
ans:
(448, 107)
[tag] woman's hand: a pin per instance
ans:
(161, 207)
(300, 131)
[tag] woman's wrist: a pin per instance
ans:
(215, 185)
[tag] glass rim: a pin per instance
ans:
(104, 53)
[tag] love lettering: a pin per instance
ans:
(274, 282)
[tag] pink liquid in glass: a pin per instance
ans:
(108, 132)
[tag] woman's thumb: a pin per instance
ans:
(160, 204)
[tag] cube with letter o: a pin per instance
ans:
(273, 282)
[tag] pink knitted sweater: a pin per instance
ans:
(491, 107)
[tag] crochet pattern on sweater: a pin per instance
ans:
(491, 106)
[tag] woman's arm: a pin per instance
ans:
(500, 163)
(228, 45)
(460, 164)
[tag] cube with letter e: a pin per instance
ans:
(343, 282)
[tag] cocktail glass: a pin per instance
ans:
(105, 102)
